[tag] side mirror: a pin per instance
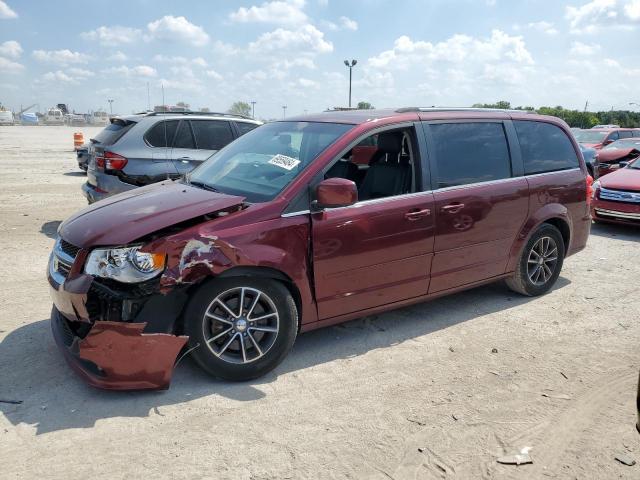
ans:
(622, 164)
(607, 142)
(335, 192)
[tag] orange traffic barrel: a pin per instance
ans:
(78, 140)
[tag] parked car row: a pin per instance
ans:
(300, 224)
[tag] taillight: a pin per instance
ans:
(589, 189)
(111, 161)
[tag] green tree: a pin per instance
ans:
(240, 108)
(365, 106)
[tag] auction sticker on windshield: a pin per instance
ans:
(285, 162)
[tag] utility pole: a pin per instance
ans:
(148, 99)
(253, 110)
(586, 105)
(350, 65)
(284, 112)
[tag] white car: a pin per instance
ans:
(6, 117)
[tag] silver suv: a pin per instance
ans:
(140, 149)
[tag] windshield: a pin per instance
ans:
(590, 136)
(624, 144)
(262, 162)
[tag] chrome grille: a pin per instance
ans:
(64, 254)
(619, 196)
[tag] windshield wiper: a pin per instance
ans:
(202, 185)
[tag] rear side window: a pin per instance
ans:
(114, 132)
(470, 153)
(636, 133)
(625, 134)
(212, 134)
(545, 147)
(245, 127)
(161, 134)
(184, 137)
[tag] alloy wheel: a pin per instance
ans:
(542, 261)
(241, 325)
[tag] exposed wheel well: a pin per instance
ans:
(561, 225)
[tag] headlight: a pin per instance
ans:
(127, 264)
(594, 188)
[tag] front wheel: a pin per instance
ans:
(540, 262)
(241, 327)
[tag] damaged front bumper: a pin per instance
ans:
(117, 340)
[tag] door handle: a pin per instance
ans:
(453, 208)
(417, 214)
(185, 159)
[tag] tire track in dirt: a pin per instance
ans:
(551, 439)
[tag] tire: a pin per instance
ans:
(528, 279)
(238, 346)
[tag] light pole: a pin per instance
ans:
(350, 66)
(253, 110)
(284, 112)
(110, 105)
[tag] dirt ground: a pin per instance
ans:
(437, 390)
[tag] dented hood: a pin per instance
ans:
(623, 179)
(613, 154)
(126, 217)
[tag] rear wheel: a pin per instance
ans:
(241, 327)
(540, 262)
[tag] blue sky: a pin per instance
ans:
(291, 52)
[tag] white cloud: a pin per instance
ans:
(307, 83)
(348, 24)
(180, 85)
(6, 12)
(277, 12)
(597, 14)
(117, 57)
(172, 28)
(61, 57)
(178, 60)
(579, 48)
(80, 72)
(11, 49)
(7, 66)
(544, 27)
(632, 10)
(59, 77)
(115, 35)
(213, 74)
(306, 39)
(458, 49)
(138, 71)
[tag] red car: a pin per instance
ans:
(625, 150)
(601, 137)
(617, 196)
(288, 229)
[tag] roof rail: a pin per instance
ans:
(458, 109)
(189, 112)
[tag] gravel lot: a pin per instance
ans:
(437, 390)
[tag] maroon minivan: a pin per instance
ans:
(284, 231)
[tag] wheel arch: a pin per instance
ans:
(553, 214)
(267, 272)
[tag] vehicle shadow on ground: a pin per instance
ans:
(54, 398)
(75, 174)
(50, 229)
(629, 233)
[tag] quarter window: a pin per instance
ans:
(184, 138)
(245, 127)
(545, 147)
(212, 134)
(470, 153)
(161, 134)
